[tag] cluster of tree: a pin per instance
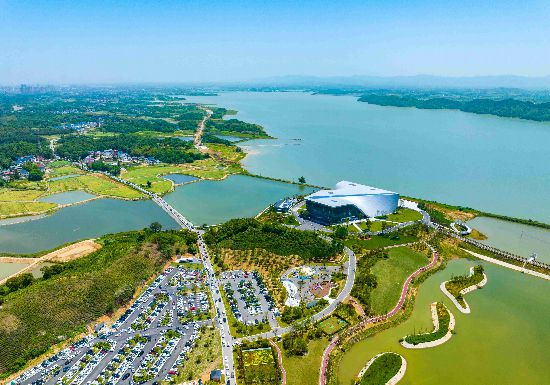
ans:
(128, 125)
(59, 304)
(510, 108)
(102, 166)
(249, 234)
(209, 138)
(235, 126)
(15, 143)
(168, 150)
(34, 172)
(296, 342)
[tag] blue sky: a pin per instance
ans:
(181, 41)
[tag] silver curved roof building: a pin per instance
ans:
(351, 200)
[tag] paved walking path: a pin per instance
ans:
(280, 359)
(509, 265)
(391, 313)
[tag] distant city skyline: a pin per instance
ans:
(62, 42)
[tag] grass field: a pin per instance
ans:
(378, 241)
(382, 370)
(11, 195)
(140, 175)
(304, 370)
(9, 209)
(64, 170)
(391, 274)
(332, 325)
(204, 357)
(404, 215)
(96, 184)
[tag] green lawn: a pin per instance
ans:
(405, 215)
(391, 274)
(304, 370)
(378, 241)
(96, 184)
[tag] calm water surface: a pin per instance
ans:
(67, 197)
(495, 164)
(503, 341)
(87, 220)
(238, 196)
(7, 269)
(180, 178)
(514, 237)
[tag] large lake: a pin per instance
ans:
(87, 220)
(493, 164)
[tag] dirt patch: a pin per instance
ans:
(454, 214)
(74, 251)
(358, 308)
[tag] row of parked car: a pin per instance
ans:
(77, 373)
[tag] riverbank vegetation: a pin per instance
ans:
(381, 370)
(444, 319)
(235, 127)
(59, 306)
(458, 283)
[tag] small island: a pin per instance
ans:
(444, 324)
(384, 368)
(456, 287)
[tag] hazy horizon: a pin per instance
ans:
(105, 42)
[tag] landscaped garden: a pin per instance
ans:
(458, 283)
(256, 363)
(381, 370)
(444, 319)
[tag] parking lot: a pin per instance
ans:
(248, 297)
(146, 344)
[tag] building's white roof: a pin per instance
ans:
(346, 193)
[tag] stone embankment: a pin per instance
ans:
(435, 321)
(466, 308)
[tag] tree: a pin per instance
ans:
(148, 184)
(155, 227)
(341, 232)
(302, 180)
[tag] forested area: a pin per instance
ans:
(511, 108)
(38, 313)
(249, 234)
(168, 150)
(235, 127)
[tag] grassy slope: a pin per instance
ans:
(405, 215)
(305, 370)
(390, 274)
(377, 242)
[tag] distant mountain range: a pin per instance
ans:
(417, 81)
